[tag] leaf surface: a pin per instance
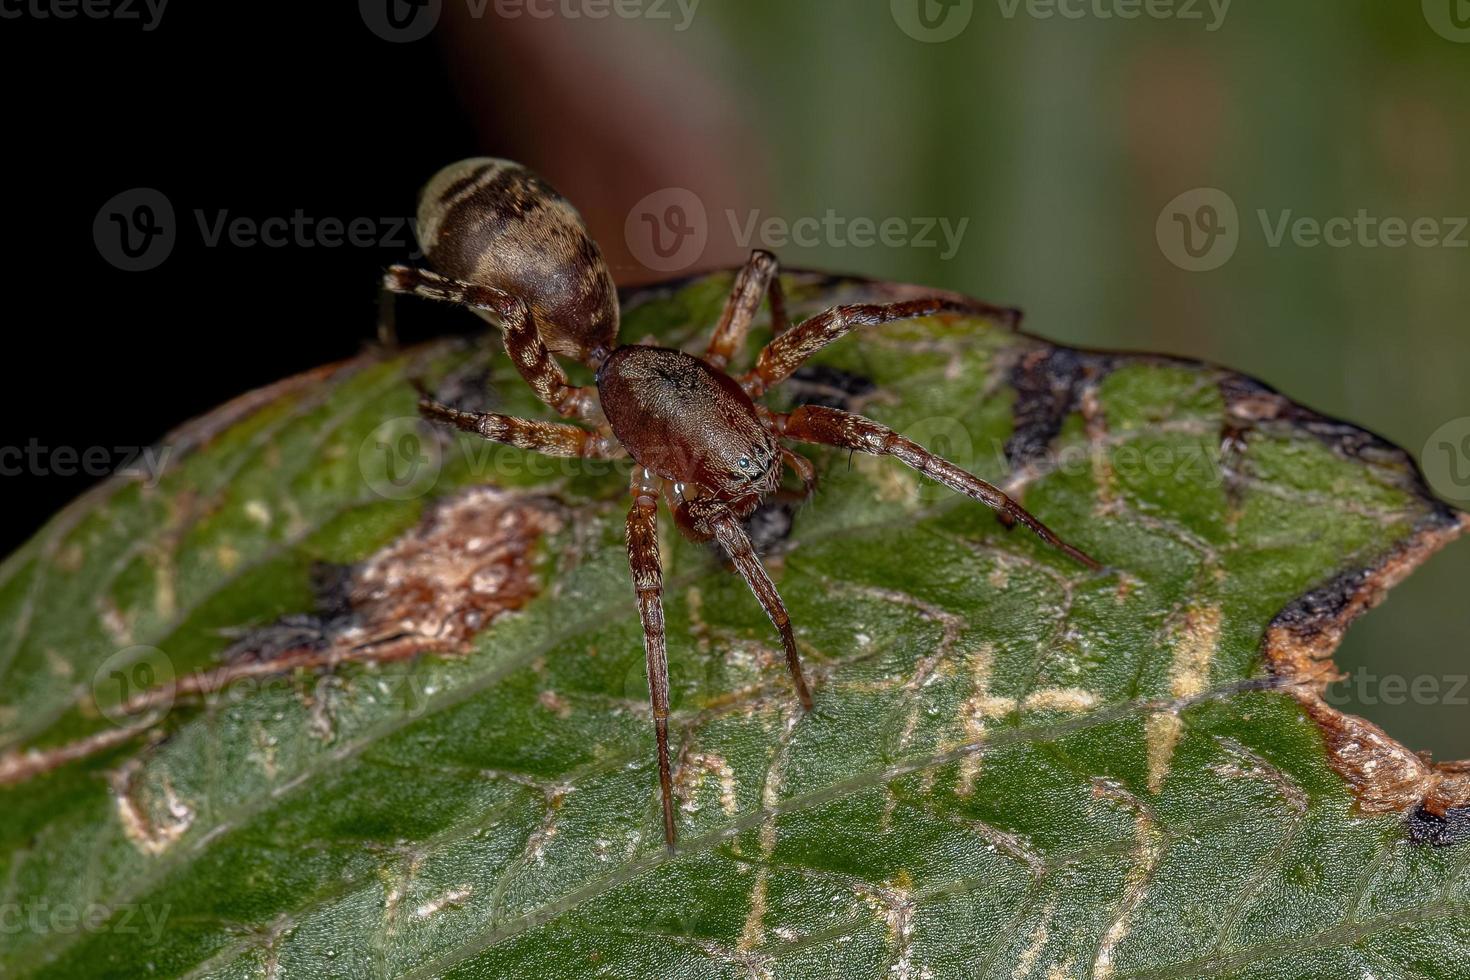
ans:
(241, 739)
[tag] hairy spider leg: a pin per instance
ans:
(517, 325)
(833, 427)
(756, 279)
(779, 359)
(547, 438)
(643, 560)
(793, 345)
(733, 539)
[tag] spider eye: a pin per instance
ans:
(745, 462)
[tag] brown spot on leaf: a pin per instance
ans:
(153, 816)
(468, 561)
(471, 559)
(1384, 776)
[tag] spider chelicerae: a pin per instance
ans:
(505, 244)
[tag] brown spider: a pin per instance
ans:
(509, 247)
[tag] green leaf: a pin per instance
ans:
(340, 695)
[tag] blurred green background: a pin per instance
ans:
(1061, 140)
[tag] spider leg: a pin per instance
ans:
(643, 560)
(387, 319)
(832, 427)
(784, 354)
(517, 325)
(757, 278)
(737, 545)
(547, 438)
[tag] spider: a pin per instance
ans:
(506, 245)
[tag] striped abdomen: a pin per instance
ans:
(494, 223)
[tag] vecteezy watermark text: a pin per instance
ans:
(669, 230)
(838, 231)
(1363, 230)
(144, 463)
(1201, 229)
(137, 230)
(402, 21)
(1211, 12)
(146, 12)
(934, 21)
(40, 917)
(1424, 690)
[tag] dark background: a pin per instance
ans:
(1060, 140)
(219, 110)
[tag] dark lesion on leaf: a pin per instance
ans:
(470, 389)
(1449, 826)
(818, 384)
(1049, 383)
(1385, 777)
(771, 523)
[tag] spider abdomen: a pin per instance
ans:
(494, 223)
(688, 422)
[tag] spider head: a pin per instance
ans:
(745, 463)
(688, 422)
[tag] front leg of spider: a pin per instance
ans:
(833, 427)
(759, 277)
(779, 359)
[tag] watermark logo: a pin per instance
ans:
(1449, 18)
(668, 10)
(135, 230)
(668, 230)
(1446, 460)
(401, 21)
(1199, 230)
(129, 674)
(399, 461)
(932, 21)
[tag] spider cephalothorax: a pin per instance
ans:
(509, 247)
